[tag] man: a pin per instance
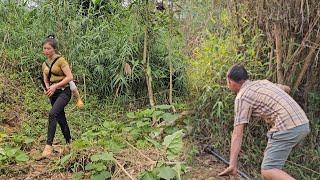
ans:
(270, 101)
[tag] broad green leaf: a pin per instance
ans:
(166, 173)
(170, 117)
(177, 168)
(100, 167)
(163, 106)
(89, 166)
(95, 157)
(131, 115)
(28, 140)
(77, 176)
(142, 124)
(102, 156)
(66, 158)
(21, 156)
(148, 176)
(173, 144)
(106, 156)
(155, 143)
(157, 113)
(10, 152)
(79, 144)
(110, 145)
(147, 112)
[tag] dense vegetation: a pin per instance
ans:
(131, 59)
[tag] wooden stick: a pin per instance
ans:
(122, 168)
(85, 88)
(153, 162)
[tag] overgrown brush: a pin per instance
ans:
(214, 121)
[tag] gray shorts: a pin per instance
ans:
(280, 144)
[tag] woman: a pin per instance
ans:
(57, 76)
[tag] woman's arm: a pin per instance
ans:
(45, 80)
(67, 72)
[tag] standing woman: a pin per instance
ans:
(56, 75)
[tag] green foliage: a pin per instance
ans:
(173, 144)
(12, 155)
(164, 172)
(97, 41)
(224, 46)
(98, 167)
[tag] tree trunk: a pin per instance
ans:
(147, 68)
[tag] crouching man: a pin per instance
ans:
(269, 101)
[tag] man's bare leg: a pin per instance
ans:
(275, 174)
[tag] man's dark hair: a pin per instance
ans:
(51, 39)
(238, 73)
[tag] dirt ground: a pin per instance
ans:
(205, 167)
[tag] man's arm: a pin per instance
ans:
(236, 141)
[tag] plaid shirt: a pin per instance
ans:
(264, 99)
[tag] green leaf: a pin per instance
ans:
(142, 124)
(80, 144)
(2, 158)
(147, 112)
(102, 156)
(163, 106)
(131, 115)
(65, 158)
(21, 156)
(106, 156)
(3, 136)
(170, 117)
(148, 176)
(157, 113)
(95, 157)
(2, 151)
(178, 168)
(100, 167)
(28, 140)
(77, 176)
(101, 176)
(89, 166)
(173, 144)
(96, 2)
(155, 143)
(166, 173)
(10, 152)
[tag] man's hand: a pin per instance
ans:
(51, 90)
(287, 89)
(229, 171)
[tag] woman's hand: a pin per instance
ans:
(51, 90)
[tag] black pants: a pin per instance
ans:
(57, 115)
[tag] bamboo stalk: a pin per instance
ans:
(307, 62)
(280, 78)
(147, 68)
